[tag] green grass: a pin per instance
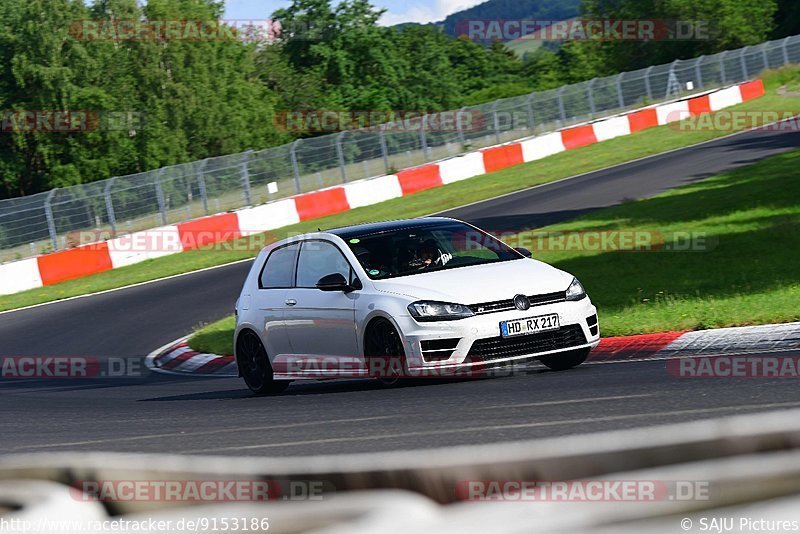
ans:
(555, 167)
(216, 338)
(743, 268)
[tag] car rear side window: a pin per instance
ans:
(278, 271)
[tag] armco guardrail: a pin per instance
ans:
(746, 466)
(42, 223)
(132, 248)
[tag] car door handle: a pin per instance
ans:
(291, 302)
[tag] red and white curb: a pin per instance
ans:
(178, 359)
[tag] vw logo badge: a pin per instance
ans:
(521, 302)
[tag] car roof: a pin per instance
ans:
(360, 230)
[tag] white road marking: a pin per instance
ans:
(497, 427)
(202, 433)
(569, 401)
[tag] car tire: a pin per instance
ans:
(565, 360)
(383, 350)
(254, 366)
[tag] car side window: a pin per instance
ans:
(278, 271)
(318, 259)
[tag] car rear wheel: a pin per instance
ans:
(254, 365)
(565, 360)
(385, 355)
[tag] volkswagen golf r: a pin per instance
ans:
(402, 298)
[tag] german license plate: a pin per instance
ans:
(531, 325)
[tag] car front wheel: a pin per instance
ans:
(385, 355)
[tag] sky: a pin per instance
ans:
(398, 10)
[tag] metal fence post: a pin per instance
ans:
(201, 184)
(51, 223)
(531, 116)
(590, 96)
(384, 148)
(698, 74)
(423, 137)
(562, 111)
(496, 121)
(619, 91)
(647, 86)
(340, 156)
(162, 209)
(460, 128)
(245, 176)
(743, 62)
(786, 51)
(295, 166)
(722, 67)
(764, 56)
(112, 218)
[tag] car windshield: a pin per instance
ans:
(440, 246)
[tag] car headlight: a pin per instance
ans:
(575, 290)
(438, 311)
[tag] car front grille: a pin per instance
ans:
(506, 305)
(497, 348)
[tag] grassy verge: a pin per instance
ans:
(741, 232)
(216, 338)
(555, 167)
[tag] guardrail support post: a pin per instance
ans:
(590, 97)
(384, 148)
(561, 110)
(722, 67)
(743, 61)
(531, 116)
(340, 156)
(112, 218)
(162, 208)
(295, 165)
(51, 223)
(201, 184)
(245, 175)
(423, 137)
(648, 89)
(619, 91)
(496, 121)
(698, 74)
(785, 47)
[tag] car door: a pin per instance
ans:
(275, 280)
(322, 323)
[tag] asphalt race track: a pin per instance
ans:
(157, 413)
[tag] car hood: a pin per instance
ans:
(480, 283)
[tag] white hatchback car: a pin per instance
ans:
(404, 298)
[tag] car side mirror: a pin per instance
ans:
(334, 282)
(524, 251)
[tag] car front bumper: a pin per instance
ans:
(575, 334)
